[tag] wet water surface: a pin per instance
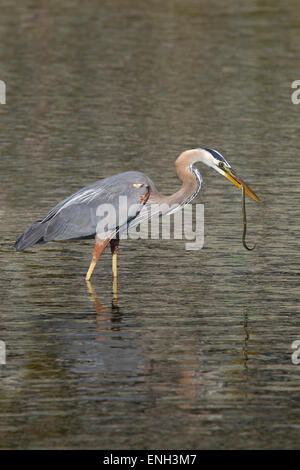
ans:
(194, 350)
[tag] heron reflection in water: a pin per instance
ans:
(75, 218)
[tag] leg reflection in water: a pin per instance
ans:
(103, 313)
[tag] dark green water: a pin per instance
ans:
(196, 351)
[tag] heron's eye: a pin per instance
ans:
(221, 165)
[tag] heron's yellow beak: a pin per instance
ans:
(239, 183)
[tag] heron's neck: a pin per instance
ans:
(190, 178)
(191, 184)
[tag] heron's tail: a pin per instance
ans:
(34, 234)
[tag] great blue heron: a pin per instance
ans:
(77, 218)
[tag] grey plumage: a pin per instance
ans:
(76, 217)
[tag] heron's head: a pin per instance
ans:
(216, 161)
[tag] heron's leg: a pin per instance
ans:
(114, 243)
(98, 248)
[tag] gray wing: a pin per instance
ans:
(80, 215)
